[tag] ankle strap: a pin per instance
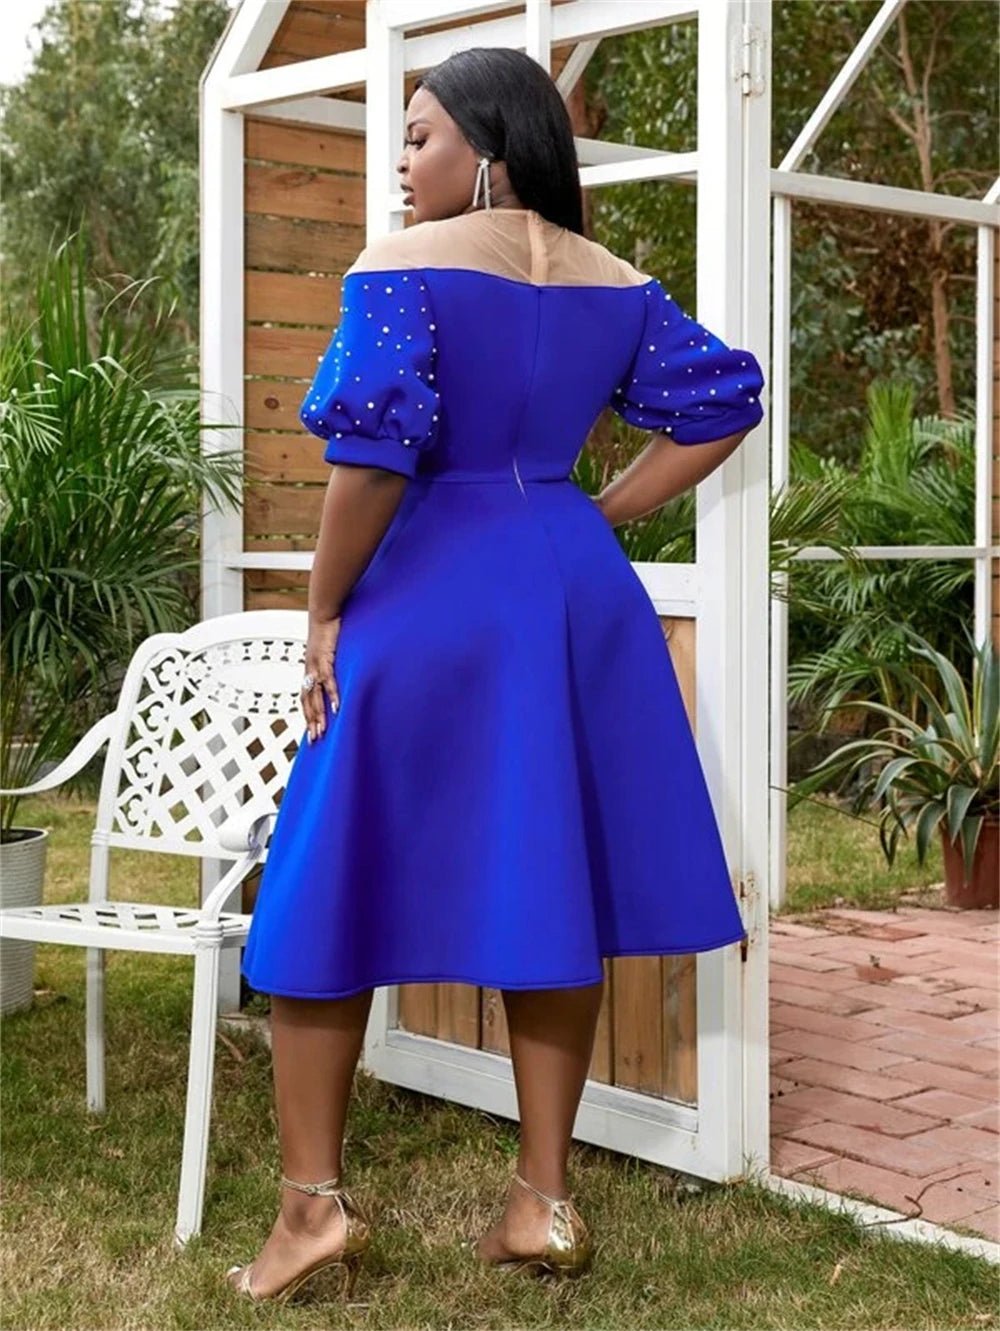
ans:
(325, 1189)
(553, 1201)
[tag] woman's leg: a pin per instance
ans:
(551, 1043)
(315, 1047)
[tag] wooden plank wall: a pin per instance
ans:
(305, 223)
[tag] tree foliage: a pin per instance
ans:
(103, 133)
(873, 295)
(102, 136)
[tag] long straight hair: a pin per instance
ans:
(509, 108)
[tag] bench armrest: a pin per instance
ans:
(98, 734)
(245, 829)
(220, 893)
(243, 833)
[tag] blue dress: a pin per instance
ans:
(510, 789)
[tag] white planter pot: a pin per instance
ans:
(22, 877)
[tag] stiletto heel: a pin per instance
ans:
(347, 1261)
(568, 1249)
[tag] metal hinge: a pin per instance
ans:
(748, 65)
(748, 895)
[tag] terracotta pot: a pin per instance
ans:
(983, 888)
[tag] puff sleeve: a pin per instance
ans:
(684, 380)
(373, 397)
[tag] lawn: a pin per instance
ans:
(89, 1201)
(834, 859)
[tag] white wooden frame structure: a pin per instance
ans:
(728, 1132)
(727, 590)
(788, 183)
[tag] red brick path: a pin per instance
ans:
(884, 1059)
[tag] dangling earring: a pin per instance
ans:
(483, 179)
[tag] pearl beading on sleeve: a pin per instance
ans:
(385, 400)
(725, 382)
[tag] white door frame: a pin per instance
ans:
(726, 1134)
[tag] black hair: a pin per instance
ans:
(510, 109)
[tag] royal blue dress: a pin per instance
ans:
(510, 789)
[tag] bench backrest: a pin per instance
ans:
(206, 720)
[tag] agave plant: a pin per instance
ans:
(101, 485)
(935, 766)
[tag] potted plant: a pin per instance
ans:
(933, 768)
(101, 484)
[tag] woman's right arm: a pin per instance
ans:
(661, 471)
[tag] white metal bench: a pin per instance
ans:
(199, 749)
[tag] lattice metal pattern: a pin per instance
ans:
(210, 728)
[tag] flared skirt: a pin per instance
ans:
(510, 790)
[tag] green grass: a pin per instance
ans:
(89, 1201)
(834, 859)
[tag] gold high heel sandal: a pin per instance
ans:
(568, 1249)
(357, 1237)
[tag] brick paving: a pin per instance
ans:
(884, 1047)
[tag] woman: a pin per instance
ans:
(500, 786)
